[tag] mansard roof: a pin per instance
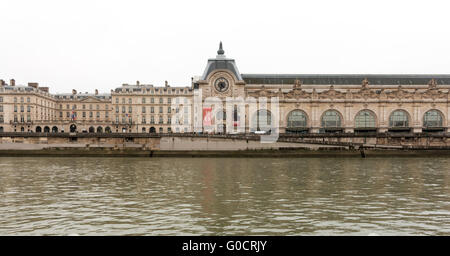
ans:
(221, 62)
(346, 79)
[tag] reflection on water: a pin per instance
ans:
(224, 196)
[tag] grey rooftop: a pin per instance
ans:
(347, 79)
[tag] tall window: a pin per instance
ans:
(433, 118)
(399, 118)
(365, 119)
(296, 119)
(261, 120)
(331, 118)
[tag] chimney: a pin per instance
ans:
(137, 82)
(12, 82)
(34, 85)
(44, 89)
(74, 91)
(2, 82)
(166, 83)
(96, 92)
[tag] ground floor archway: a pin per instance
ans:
(73, 128)
(46, 129)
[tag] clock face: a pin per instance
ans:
(221, 84)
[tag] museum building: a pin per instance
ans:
(308, 103)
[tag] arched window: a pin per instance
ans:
(331, 118)
(1, 128)
(399, 118)
(433, 118)
(261, 120)
(161, 130)
(91, 129)
(54, 129)
(73, 128)
(38, 129)
(99, 129)
(365, 119)
(108, 129)
(152, 130)
(297, 119)
(46, 129)
(220, 121)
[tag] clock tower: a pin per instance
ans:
(221, 78)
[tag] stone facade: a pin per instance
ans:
(307, 104)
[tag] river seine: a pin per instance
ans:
(224, 196)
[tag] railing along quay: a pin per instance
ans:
(245, 136)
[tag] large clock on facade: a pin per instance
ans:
(221, 84)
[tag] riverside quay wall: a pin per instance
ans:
(241, 145)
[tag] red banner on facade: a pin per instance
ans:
(207, 116)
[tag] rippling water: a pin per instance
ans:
(224, 196)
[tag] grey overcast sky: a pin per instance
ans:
(100, 44)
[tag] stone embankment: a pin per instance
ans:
(194, 145)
